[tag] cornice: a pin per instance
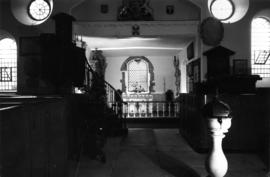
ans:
(145, 27)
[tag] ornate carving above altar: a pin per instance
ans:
(134, 10)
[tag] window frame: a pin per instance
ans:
(37, 19)
(13, 65)
(223, 19)
(147, 76)
(124, 80)
(261, 69)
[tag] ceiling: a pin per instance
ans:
(132, 46)
(146, 46)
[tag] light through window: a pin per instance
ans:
(222, 9)
(137, 76)
(8, 65)
(260, 47)
(39, 9)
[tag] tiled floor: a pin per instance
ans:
(161, 153)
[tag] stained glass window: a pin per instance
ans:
(137, 76)
(222, 9)
(8, 65)
(39, 9)
(260, 46)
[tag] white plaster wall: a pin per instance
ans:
(163, 70)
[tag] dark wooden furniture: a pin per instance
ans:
(221, 77)
(218, 62)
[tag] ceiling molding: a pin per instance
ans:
(150, 28)
(197, 3)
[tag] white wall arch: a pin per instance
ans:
(19, 9)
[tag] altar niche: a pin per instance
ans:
(137, 85)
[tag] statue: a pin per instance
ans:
(177, 75)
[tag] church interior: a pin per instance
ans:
(134, 88)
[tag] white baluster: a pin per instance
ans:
(157, 110)
(152, 107)
(163, 107)
(216, 163)
(147, 109)
(126, 110)
(139, 110)
(128, 115)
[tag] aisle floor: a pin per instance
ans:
(160, 153)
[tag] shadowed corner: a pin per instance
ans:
(169, 164)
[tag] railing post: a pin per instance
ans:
(218, 120)
(163, 109)
(157, 110)
(175, 109)
(146, 109)
(128, 105)
(151, 107)
(116, 108)
(169, 109)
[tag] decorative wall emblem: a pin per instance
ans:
(211, 31)
(169, 9)
(135, 30)
(104, 8)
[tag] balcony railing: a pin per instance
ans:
(148, 109)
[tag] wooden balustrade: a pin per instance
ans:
(150, 109)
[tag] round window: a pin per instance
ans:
(39, 9)
(222, 9)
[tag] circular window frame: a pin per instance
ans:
(223, 19)
(34, 18)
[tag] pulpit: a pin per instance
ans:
(220, 74)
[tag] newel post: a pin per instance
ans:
(218, 120)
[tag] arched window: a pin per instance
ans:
(260, 46)
(8, 65)
(138, 76)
